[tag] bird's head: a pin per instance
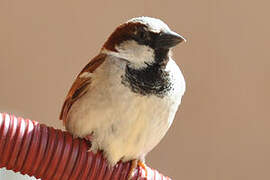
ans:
(142, 41)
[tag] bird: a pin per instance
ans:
(125, 99)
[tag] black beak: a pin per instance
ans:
(167, 40)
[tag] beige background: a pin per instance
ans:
(222, 129)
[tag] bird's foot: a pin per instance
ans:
(89, 137)
(134, 164)
(91, 144)
(143, 166)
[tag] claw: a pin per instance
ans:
(143, 166)
(134, 164)
(88, 137)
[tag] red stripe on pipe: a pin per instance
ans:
(50, 154)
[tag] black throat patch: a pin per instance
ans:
(152, 80)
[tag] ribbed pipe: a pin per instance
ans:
(44, 152)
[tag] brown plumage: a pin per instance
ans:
(79, 87)
(123, 33)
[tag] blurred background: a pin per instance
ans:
(222, 128)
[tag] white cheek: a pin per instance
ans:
(138, 55)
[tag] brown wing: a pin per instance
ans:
(79, 87)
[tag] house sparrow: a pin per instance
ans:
(125, 99)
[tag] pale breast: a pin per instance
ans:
(124, 122)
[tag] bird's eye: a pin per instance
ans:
(143, 35)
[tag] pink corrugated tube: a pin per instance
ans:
(50, 154)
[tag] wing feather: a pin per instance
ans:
(80, 85)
